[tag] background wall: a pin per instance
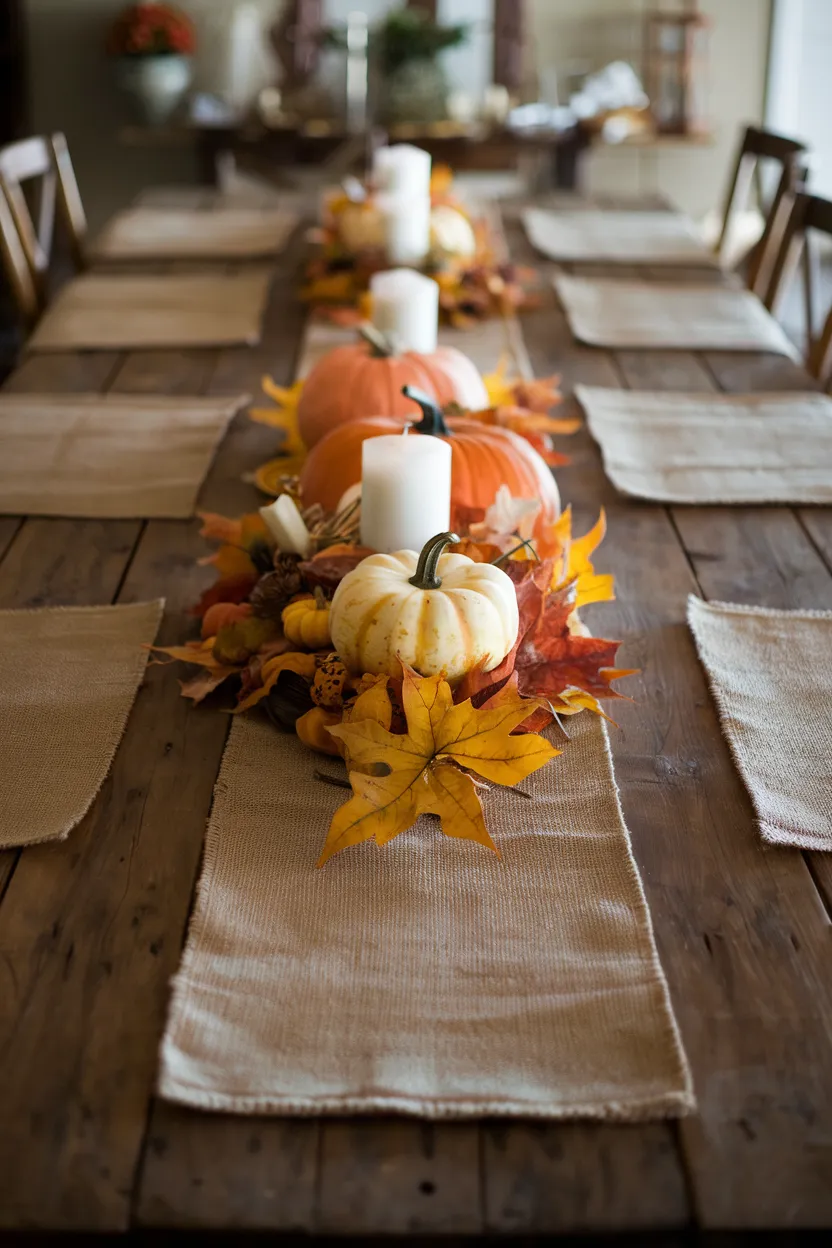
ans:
(583, 35)
(72, 89)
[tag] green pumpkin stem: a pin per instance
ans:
(425, 575)
(432, 422)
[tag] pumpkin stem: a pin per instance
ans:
(432, 421)
(320, 600)
(425, 575)
(383, 345)
(527, 543)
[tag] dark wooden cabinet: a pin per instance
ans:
(13, 121)
(12, 70)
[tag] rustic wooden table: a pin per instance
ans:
(91, 929)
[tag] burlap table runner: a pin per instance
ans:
(485, 343)
(233, 233)
(712, 448)
(618, 313)
(109, 457)
(428, 978)
(771, 676)
(68, 678)
(117, 311)
(610, 236)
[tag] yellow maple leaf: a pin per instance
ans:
(396, 777)
(284, 415)
(499, 389)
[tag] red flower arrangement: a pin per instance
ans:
(151, 30)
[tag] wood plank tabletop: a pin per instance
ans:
(91, 929)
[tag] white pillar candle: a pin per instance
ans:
(287, 526)
(405, 491)
(406, 307)
(402, 170)
(406, 228)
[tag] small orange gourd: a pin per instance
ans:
(221, 613)
(366, 379)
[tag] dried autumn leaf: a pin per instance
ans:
(329, 567)
(506, 519)
(397, 777)
(301, 664)
(205, 682)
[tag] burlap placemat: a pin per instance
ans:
(713, 448)
(68, 678)
(617, 313)
(610, 236)
(771, 676)
(117, 311)
(108, 457)
(428, 978)
(232, 233)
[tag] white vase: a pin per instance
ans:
(155, 84)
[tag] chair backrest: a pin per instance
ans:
(42, 166)
(809, 215)
(16, 265)
(790, 155)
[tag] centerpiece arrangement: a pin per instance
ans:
(407, 214)
(409, 601)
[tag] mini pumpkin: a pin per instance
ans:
(360, 226)
(306, 621)
(221, 613)
(451, 233)
(484, 458)
(438, 613)
(366, 379)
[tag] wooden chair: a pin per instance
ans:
(42, 166)
(790, 155)
(809, 215)
(16, 266)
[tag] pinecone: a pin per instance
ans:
(274, 590)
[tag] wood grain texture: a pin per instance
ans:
(399, 1178)
(755, 555)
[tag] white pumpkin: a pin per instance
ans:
(451, 232)
(438, 613)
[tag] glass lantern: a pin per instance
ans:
(674, 77)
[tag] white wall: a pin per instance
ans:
(585, 34)
(72, 86)
(800, 81)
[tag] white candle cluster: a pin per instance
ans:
(406, 309)
(402, 175)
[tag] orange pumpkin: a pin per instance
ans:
(484, 457)
(366, 379)
(222, 613)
